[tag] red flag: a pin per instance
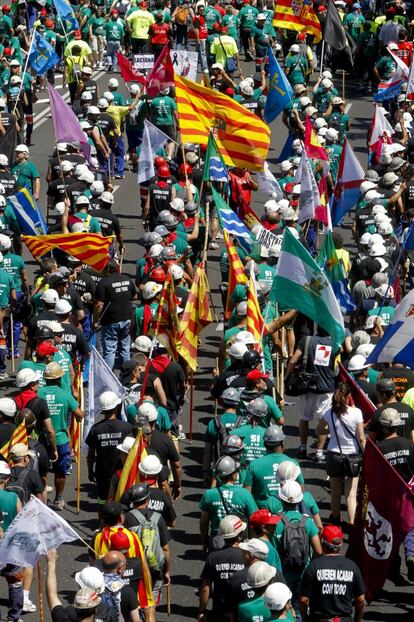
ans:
(313, 147)
(360, 399)
(385, 514)
(128, 73)
(162, 74)
(321, 212)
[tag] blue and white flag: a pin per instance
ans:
(408, 238)
(42, 56)
(65, 11)
(231, 222)
(280, 91)
(397, 343)
(27, 213)
(268, 184)
(217, 170)
(343, 294)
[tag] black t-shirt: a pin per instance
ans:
(103, 437)
(73, 341)
(228, 379)
(41, 319)
(403, 378)
(6, 430)
(72, 296)
(42, 455)
(84, 284)
(241, 590)
(331, 583)
(116, 291)
(108, 221)
(68, 614)
(90, 86)
(33, 481)
(173, 380)
(406, 414)
(220, 566)
(320, 361)
(400, 453)
(369, 388)
(160, 502)
(57, 188)
(74, 191)
(164, 446)
(9, 182)
(107, 125)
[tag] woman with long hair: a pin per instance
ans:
(344, 452)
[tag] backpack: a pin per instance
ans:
(181, 16)
(113, 601)
(224, 431)
(149, 534)
(18, 484)
(295, 544)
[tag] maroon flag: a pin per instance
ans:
(360, 399)
(128, 73)
(384, 516)
(161, 75)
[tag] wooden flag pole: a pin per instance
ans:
(80, 434)
(12, 342)
(40, 588)
(282, 367)
(191, 404)
(168, 588)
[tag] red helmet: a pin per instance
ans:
(43, 12)
(185, 167)
(289, 187)
(6, 8)
(163, 171)
(160, 161)
(158, 275)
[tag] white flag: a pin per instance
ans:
(269, 185)
(101, 378)
(34, 531)
(410, 81)
(309, 194)
(380, 126)
(157, 138)
(400, 65)
(146, 158)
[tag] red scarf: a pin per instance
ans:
(147, 318)
(172, 237)
(161, 362)
(24, 397)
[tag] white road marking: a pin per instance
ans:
(348, 108)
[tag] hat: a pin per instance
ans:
(4, 469)
(390, 418)
(112, 509)
(87, 70)
(372, 320)
(8, 407)
(107, 197)
(45, 349)
(22, 149)
(255, 547)
(19, 450)
(385, 291)
(217, 66)
(85, 598)
(126, 444)
(66, 166)
(27, 376)
(299, 88)
(230, 526)
(260, 573)
(386, 384)
(150, 465)
(336, 101)
(295, 49)
(92, 578)
(389, 179)
(276, 596)
(291, 492)
(63, 307)
(377, 250)
(357, 363)
(332, 534)
(256, 374)
(264, 517)
(142, 344)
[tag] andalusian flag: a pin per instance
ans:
(255, 323)
(328, 260)
(90, 248)
(242, 138)
(300, 283)
(236, 272)
(19, 436)
(313, 147)
(297, 15)
(130, 472)
(196, 316)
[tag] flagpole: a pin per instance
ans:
(24, 69)
(40, 588)
(12, 342)
(322, 57)
(343, 84)
(80, 434)
(191, 405)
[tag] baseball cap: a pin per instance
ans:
(256, 374)
(264, 517)
(390, 418)
(45, 349)
(256, 547)
(112, 509)
(19, 450)
(385, 384)
(332, 534)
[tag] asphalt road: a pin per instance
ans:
(393, 603)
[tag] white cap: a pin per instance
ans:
(371, 195)
(2, 200)
(276, 596)
(97, 187)
(376, 238)
(86, 176)
(5, 242)
(86, 96)
(148, 411)
(260, 573)
(150, 465)
(311, 110)
(107, 197)
(109, 400)
(128, 441)
(357, 363)
(305, 101)
(142, 344)
(365, 239)
(8, 407)
(113, 82)
(237, 350)
(134, 89)
(367, 185)
(327, 83)
(327, 74)
(291, 492)
(27, 376)
(379, 218)
(63, 307)
(56, 327)
(92, 578)
(378, 209)
(150, 290)
(50, 296)
(22, 148)
(177, 272)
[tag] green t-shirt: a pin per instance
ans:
(297, 66)
(353, 24)
(273, 556)
(387, 313)
(6, 287)
(8, 507)
(254, 610)
(139, 316)
(98, 25)
(232, 22)
(386, 67)
(114, 30)
(6, 25)
(162, 109)
(266, 273)
(252, 437)
(61, 403)
(228, 420)
(238, 501)
(212, 16)
(262, 477)
(63, 358)
(334, 154)
(119, 99)
(92, 222)
(13, 265)
(308, 505)
(36, 366)
(247, 17)
(311, 530)
(25, 175)
(85, 11)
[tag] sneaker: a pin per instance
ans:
(4, 375)
(219, 236)
(58, 505)
(410, 567)
(49, 489)
(320, 458)
(181, 435)
(301, 452)
(29, 607)
(213, 245)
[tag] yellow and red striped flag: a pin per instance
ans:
(90, 248)
(75, 426)
(165, 324)
(313, 146)
(255, 323)
(297, 15)
(243, 139)
(236, 272)
(130, 472)
(196, 316)
(19, 436)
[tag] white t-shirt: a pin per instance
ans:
(348, 443)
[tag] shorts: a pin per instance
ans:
(64, 461)
(170, 131)
(98, 43)
(314, 405)
(134, 139)
(156, 590)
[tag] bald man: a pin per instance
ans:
(113, 566)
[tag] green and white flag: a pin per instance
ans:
(302, 285)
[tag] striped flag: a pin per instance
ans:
(90, 248)
(231, 222)
(313, 147)
(214, 166)
(19, 436)
(130, 472)
(297, 15)
(196, 316)
(236, 272)
(165, 325)
(75, 426)
(27, 212)
(242, 138)
(255, 323)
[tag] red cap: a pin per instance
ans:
(256, 374)
(45, 349)
(160, 161)
(114, 12)
(119, 541)
(6, 8)
(322, 8)
(229, 91)
(7, 52)
(264, 517)
(332, 534)
(143, 5)
(301, 36)
(78, 33)
(289, 187)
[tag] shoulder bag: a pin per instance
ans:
(352, 463)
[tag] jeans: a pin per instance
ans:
(119, 157)
(17, 326)
(202, 55)
(13, 576)
(112, 47)
(115, 337)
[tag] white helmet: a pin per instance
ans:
(50, 296)
(142, 344)
(8, 407)
(291, 492)
(271, 206)
(63, 307)
(150, 465)
(357, 363)
(113, 83)
(259, 574)
(91, 578)
(155, 250)
(27, 376)
(276, 596)
(126, 444)
(148, 411)
(288, 470)
(108, 400)
(150, 290)
(230, 526)
(108, 96)
(237, 350)
(385, 228)
(5, 242)
(97, 188)
(177, 272)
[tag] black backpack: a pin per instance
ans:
(224, 431)
(295, 544)
(17, 483)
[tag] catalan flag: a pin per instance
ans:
(90, 248)
(255, 323)
(243, 139)
(196, 316)
(313, 147)
(19, 436)
(165, 325)
(236, 272)
(130, 472)
(297, 15)
(75, 426)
